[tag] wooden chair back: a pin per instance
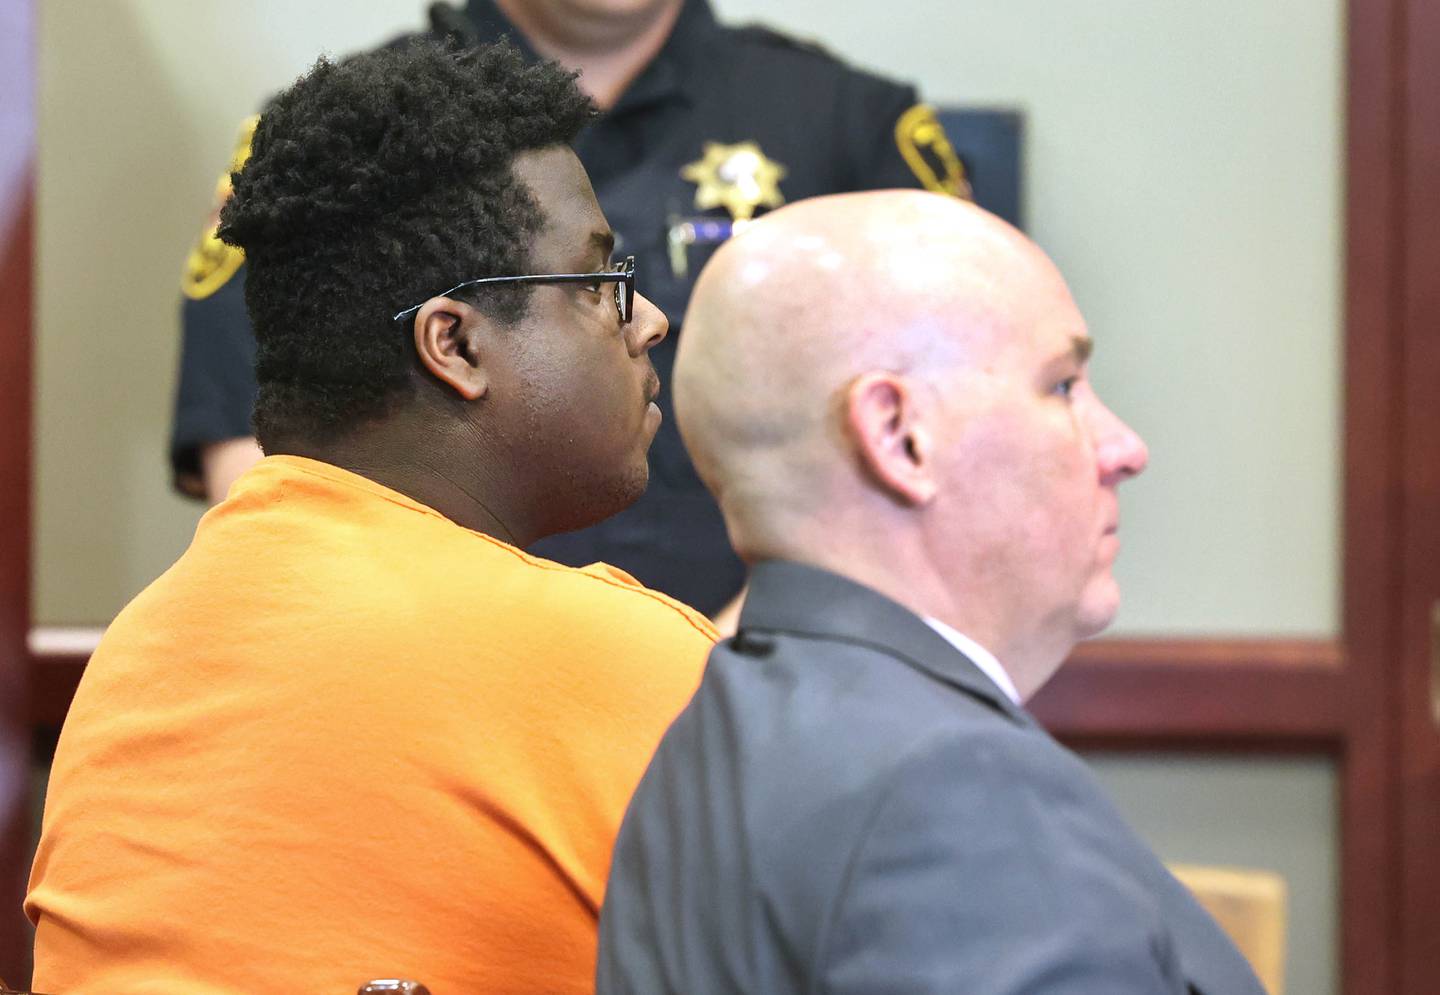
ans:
(1250, 906)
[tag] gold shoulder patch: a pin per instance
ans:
(929, 154)
(212, 262)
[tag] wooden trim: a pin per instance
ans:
(1278, 655)
(14, 587)
(57, 661)
(1419, 538)
(17, 240)
(1369, 869)
(53, 680)
(1135, 693)
(1260, 694)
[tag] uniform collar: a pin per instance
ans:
(804, 600)
(677, 68)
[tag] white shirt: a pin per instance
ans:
(977, 655)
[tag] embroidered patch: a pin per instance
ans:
(212, 262)
(928, 152)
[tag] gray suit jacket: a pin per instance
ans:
(849, 805)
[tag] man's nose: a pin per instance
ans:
(648, 326)
(1120, 452)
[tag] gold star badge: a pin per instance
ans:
(737, 177)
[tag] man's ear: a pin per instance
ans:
(890, 436)
(447, 340)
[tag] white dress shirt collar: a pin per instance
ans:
(977, 655)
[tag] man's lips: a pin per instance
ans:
(652, 387)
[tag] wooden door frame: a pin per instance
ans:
(1418, 626)
(17, 236)
(1337, 697)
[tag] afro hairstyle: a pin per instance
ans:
(373, 183)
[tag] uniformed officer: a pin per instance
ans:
(703, 128)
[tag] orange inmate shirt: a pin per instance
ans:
(343, 738)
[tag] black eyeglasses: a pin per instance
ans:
(623, 278)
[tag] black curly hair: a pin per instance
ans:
(372, 184)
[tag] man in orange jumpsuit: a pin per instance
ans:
(356, 731)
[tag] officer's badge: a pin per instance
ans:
(739, 178)
(929, 154)
(212, 262)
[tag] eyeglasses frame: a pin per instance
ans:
(623, 278)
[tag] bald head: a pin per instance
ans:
(893, 385)
(787, 315)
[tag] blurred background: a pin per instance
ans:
(1182, 165)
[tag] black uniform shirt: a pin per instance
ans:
(829, 127)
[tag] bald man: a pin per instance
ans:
(888, 394)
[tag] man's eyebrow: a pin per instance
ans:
(1079, 352)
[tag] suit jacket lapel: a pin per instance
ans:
(805, 600)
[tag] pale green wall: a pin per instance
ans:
(139, 104)
(1183, 168)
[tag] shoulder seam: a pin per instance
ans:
(661, 599)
